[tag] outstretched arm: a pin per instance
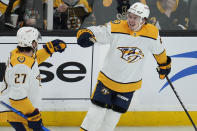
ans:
(49, 48)
(100, 34)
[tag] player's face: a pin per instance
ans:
(133, 21)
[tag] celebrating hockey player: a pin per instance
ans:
(22, 79)
(121, 75)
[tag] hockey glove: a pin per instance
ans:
(164, 69)
(85, 38)
(34, 120)
(55, 46)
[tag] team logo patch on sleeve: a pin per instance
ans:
(131, 54)
(21, 59)
(116, 22)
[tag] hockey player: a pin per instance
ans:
(121, 75)
(22, 79)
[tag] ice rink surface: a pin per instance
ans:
(160, 128)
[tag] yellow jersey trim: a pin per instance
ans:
(147, 30)
(42, 55)
(161, 58)
(11, 116)
(23, 105)
(20, 58)
(119, 87)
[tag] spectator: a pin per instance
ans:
(70, 14)
(6, 9)
(169, 14)
(33, 14)
(108, 10)
(29, 12)
(12, 5)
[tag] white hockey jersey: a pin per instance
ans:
(22, 83)
(123, 64)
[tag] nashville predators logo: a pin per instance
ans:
(21, 59)
(131, 54)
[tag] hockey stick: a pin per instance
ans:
(181, 103)
(19, 113)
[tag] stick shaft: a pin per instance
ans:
(181, 103)
(19, 113)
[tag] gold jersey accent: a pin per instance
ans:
(82, 129)
(42, 55)
(119, 87)
(147, 30)
(11, 116)
(20, 58)
(161, 58)
(23, 105)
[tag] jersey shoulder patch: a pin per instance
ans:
(119, 26)
(19, 58)
(150, 31)
(116, 21)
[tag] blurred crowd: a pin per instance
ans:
(75, 14)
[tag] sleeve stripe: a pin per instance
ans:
(33, 64)
(161, 58)
(18, 99)
(120, 33)
(148, 37)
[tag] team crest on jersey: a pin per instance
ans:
(21, 59)
(131, 54)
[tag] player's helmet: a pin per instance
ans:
(139, 9)
(26, 35)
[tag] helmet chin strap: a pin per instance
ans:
(35, 49)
